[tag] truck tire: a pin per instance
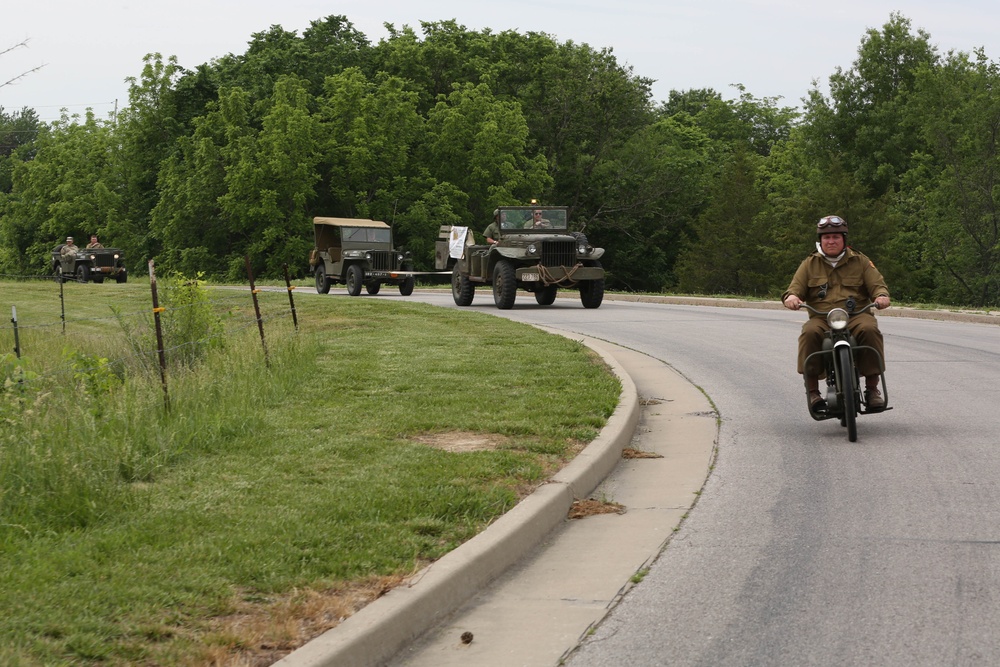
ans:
(83, 273)
(406, 287)
(322, 281)
(546, 296)
(462, 289)
(504, 285)
(355, 279)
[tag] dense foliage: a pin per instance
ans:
(695, 193)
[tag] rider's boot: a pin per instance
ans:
(817, 404)
(873, 397)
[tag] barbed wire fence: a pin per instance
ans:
(243, 309)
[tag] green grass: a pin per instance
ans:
(268, 494)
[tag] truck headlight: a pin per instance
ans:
(532, 250)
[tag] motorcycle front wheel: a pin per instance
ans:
(848, 396)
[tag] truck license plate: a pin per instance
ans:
(529, 277)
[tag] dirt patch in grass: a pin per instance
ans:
(259, 633)
(462, 441)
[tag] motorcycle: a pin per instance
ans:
(845, 399)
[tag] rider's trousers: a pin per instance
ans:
(865, 329)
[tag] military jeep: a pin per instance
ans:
(357, 253)
(535, 252)
(89, 264)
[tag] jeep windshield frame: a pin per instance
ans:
(522, 219)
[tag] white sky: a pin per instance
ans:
(773, 47)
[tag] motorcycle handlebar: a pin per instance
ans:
(851, 312)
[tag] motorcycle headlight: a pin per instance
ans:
(837, 319)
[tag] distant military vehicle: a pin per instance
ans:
(535, 252)
(89, 264)
(356, 253)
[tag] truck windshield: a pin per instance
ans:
(533, 218)
(366, 235)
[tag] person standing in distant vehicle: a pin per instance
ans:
(826, 279)
(492, 232)
(94, 243)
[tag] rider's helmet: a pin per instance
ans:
(831, 224)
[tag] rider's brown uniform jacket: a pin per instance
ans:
(854, 276)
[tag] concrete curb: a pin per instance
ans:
(384, 627)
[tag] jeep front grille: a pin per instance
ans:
(104, 260)
(383, 260)
(559, 253)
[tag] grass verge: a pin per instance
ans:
(272, 499)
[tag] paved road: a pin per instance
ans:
(805, 549)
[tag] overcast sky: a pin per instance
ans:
(775, 48)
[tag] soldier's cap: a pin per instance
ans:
(69, 239)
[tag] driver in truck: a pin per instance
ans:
(826, 279)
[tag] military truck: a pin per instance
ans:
(89, 264)
(535, 252)
(358, 253)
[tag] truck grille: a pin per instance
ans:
(558, 253)
(383, 260)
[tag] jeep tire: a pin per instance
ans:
(355, 279)
(83, 273)
(322, 281)
(406, 287)
(373, 288)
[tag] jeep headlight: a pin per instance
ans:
(368, 257)
(837, 319)
(116, 255)
(93, 257)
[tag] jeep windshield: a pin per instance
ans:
(537, 218)
(366, 235)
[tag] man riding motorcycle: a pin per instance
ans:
(826, 279)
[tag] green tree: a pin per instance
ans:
(270, 179)
(952, 195)
(67, 188)
(865, 120)
(479, 144)
(726, 256)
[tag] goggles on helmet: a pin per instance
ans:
(831, 221)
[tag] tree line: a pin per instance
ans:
(694, 194)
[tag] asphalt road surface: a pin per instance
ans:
(804, 548)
